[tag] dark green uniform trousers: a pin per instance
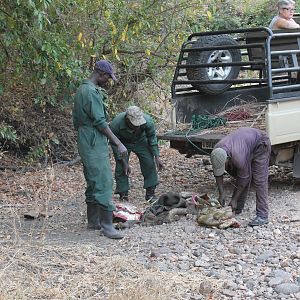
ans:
(147, 165)
(94, 152)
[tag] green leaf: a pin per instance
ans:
(55, 141)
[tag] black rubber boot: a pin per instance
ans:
(107, 226)
(93, 216)
(150, 195)
(123, 196)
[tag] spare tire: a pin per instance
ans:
(213, 56)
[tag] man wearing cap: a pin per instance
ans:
(136, 131)
(245, 154)
(89, 119)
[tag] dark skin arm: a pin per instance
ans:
(114, 140)
(235, 197)
(158, 163)
(126, 167)
(220, 185)
(102, 79)
(237, 192)
(222, 197)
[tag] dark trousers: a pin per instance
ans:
(259, 178)
(260, 174)
(147, 165)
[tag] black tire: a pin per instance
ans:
(213, 56)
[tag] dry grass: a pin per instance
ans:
(88, 267)
(38, 268)
(82, 272)
(255, 110)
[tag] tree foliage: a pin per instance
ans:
(49, 43)
(48, 46)
(224, 14)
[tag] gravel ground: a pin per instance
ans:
(179, 260)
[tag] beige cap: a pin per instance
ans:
(135, 116)
(218, 159)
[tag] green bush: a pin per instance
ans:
(225, 15)
(48, 46)
(7, 133)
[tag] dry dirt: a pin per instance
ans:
(58, 258)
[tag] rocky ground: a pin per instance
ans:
(58, 258)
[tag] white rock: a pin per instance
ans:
(275, 281)
(287, 288)
(205, 257)
(277, 231)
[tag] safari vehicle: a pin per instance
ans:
(251, 70)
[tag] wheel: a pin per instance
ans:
(213, 56)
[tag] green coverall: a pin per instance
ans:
(89, 117)
(143, 143)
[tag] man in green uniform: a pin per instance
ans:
(89, 119)
(136, 131)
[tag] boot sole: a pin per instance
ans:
(258, 224)
(113, 237)
(93, 228)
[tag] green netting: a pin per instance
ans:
(200, 122)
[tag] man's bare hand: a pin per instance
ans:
(222, 199)
(122, 150)
(127, 170)
(159, 164)
(233, 204)
(126, 167)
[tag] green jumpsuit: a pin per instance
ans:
(89, 117)
(143, 143)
